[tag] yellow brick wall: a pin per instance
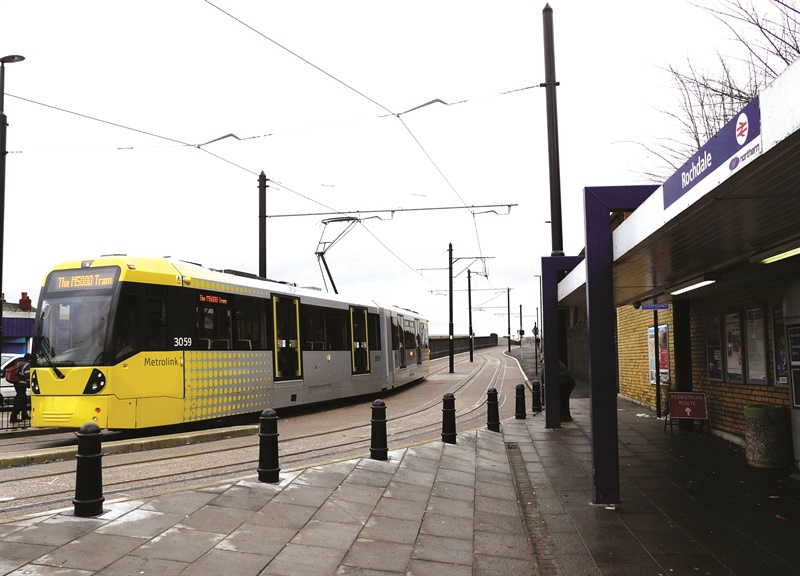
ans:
(634, 370)
(726, 400)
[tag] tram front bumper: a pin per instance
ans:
(68, 411)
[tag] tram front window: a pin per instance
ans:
(76, 329)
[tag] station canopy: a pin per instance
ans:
(720, 215)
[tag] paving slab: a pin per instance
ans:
(90, 552)
(180, 544)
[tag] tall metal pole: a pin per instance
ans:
(536, 343)
(658, 363)
(262, 225)
(3, 126)
(452, 350)
(541, 305)
(521, 329)
(508, 291)
(555, 170)
(469, 303)
(552, 132)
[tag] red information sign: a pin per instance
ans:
(688, 405)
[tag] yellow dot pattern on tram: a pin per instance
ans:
(204, 279)
(223, 383)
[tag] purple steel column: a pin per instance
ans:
(551, 267)
(599, 202)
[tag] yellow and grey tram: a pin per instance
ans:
(130, 342)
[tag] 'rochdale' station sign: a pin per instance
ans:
(735, 145)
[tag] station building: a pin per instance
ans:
(17, 325)
(716, 251)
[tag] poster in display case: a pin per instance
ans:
(734, 372)
(714, 348)
(756, 349)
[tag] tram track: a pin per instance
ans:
(143, 474)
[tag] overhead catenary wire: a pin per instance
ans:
(282, 47)
(124, 127)
(278, 184)
(242, 138)
(390, 211)
(362, 95)
(331, 76)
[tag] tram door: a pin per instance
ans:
(359, 338)
(421, 338)
(286, 330)
(401, 338)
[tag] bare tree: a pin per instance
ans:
(769, 33)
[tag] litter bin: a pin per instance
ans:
(767, 436)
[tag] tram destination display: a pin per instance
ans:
(83, 279)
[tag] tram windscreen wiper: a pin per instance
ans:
(46, 353)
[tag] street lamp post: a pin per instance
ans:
(3, 126)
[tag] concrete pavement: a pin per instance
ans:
(514, 502)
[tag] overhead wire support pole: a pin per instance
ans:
(509, 320)
(452, 344)
(469, 305)
(262, 225)
(450, 261)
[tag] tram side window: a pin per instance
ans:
(336, 330)
(250, 330)
(423, 334)
(410, 336)
(128, 328)
(313, 330)
(141, 324)
(324, 328)
(215, 327)
(156, 323)
(395, 335)
(374, 325)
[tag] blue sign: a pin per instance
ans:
(730, 146)
(655, 306)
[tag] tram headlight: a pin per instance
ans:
(96, 383)
(34, 382)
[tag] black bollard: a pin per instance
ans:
(378, 449)
(537, 396)
(449, 418)
(89, 498)
(268, 468)
(519, 410)
(493, 411)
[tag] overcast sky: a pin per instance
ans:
(106, 112)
